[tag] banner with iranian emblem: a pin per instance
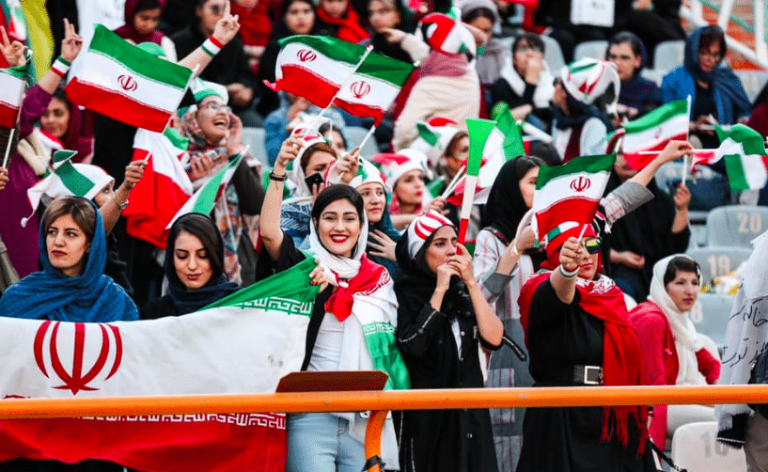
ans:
(242, 344)
(117, 79)
(570, 192)
(647, 136)
(323, 69)
(13, 84)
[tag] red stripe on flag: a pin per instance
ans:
(117, 106)
(358, 109)
(578, 209)
(638, 161)
(305, 83)
(8, 116)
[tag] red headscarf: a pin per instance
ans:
(128, 30)
(622, 357)
(349, 28)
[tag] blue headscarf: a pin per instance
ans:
(721, 78)
(90, 297)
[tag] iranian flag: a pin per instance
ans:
(117, 79)
(163, 189)
(242, 344)
(645, 137)
(746, 162)
(569, 193)
(204, 199)
(13, 84)
(324, 70)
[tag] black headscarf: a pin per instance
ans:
(395, 51)
(506, 206)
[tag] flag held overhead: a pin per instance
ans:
(479, 132)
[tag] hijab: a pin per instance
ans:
(128, 30)
(379, 41)
(506, 204)
(218, 287)
(91, 297)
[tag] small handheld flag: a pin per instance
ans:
(479, 132)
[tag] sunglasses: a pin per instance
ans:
(592, 245)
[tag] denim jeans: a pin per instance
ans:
(320, 442)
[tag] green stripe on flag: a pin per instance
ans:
(382, 345)
(110, 45)
(75, 182)
(208, 193)
(336, 49)
(513, 140)
(737, 178)
(657, 116)
(426, 133)
(750, 140)
(20, 72)
(591, 164)
(386, 69)
(177, 140)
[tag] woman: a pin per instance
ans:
(388, 20)
(525, 83)
(484, 15)
(297, 17)
(717, 95)
(194, 268)
(501, 269)
(215, 139)
(638, 96)
(580, 126)
(442, 315)
(360, 294)
(673, 353)
(141, 20)
(62, 126)
(335, 136)
(338, 18)
(578, 332)
(72, 285)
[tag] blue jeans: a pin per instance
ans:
(320, 442)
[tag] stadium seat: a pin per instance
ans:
(553, 55)
(735, 225)
(254, 137)
(669, 55)
(710, 315)
(355, 136)
(753, 81)
(716, 261)
(654, 75)
(694, 448)
(593, 49)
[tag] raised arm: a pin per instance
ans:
(224, 31)
(271, 233)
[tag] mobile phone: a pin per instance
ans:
(313, 179)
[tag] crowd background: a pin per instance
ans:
(284, 198)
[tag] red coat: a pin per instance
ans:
(660, 364)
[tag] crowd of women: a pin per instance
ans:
(508, 311)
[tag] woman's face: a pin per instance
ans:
(67, 246)
(455, 159)
(483, 24)
(442, 248)
(337, 141)
(104, 196)
(375, 201)
(335, 8)
(560, 97)
(300, 18)
(588, 263)
(382, 15)
(523, 53)
(339, 228)
(684, 290)
(55, 120)
(146, 21)
(319, 162)
(710, 57)
(213, 118)
(410, 187)
(528, 186)
(209, 14)
(625, 59)
(190, 259)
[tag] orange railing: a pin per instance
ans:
(379, 403)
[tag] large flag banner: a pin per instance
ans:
(119, 80)
(242, 344)
(205, 197)
(163, 189)
(13, 84)
(569, 193)
(320, 68)
(653, 131)
(743, 150)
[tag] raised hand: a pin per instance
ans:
(682, 197)
(133, 173)
(14, 52)
(288, 152)
(462, 264)
(570, 254)
(72, 43)
(3, 178)
(235, 135)
(227, 26)
(382, 245)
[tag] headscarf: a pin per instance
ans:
(506, 204)
(585, 82)
(218, 287)
(348, 27)
(128, 30)
(91, 297)
(687, 341)
(379, 41)
(721, 78)
(394, 166)
(622, 357)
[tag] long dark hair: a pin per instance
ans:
(338, 192)
(203, 228)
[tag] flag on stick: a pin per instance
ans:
(746, 162)
(13, 84)
(645, 137)
(479, 132)
(117, 79)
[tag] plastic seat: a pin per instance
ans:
(753, 81)
(717, 261)
(669, 55)
(593, 49)
(710, 315)
(654, 75)
(735, 225)
(355, 136)
(254, 137)
(694, 448)
(553, 55)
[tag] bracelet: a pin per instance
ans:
(277, 178)
(566, 274)
(122, 206)
(212, 46)
(60, 66)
